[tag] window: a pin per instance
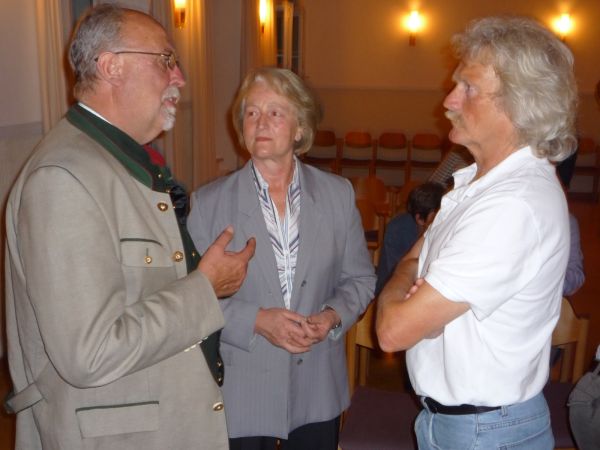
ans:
(288, 26)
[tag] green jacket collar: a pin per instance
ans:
(127, 151)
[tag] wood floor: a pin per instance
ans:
(387, 371)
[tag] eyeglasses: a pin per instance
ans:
(170, 59)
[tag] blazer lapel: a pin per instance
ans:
(311, 216)
(254, 226)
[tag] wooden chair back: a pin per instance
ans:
(360, 339)
(391, 158)
(358, 139)
(373, 225)
(392, 140)
(358, 153)
(371, 188)
(325, 138)
(570, 335)
(426, 153)
(325, 152)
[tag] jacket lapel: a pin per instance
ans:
(254, 226)
(311, 216)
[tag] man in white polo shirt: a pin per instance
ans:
(476, 300)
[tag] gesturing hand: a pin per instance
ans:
(224, 269)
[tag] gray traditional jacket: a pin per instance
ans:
(102, 316)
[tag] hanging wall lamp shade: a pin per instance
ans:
(179, 7)
(414, 24)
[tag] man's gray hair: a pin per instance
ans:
(97, 31)
(538, 90)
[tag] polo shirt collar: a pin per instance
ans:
(463, 187)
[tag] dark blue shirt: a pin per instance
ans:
(400, 235)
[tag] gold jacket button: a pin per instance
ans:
(148, 259)
(218, 406)
(162, 206)
(219, 364)
(178, 256)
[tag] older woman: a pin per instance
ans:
(310, 279)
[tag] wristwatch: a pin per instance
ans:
(337, 325)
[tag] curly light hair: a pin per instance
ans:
(538, 90)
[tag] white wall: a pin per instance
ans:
(19, 82)
(361, 44)
(358, 59)
(20, 110)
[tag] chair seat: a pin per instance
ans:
(380, 420)
(557, 395)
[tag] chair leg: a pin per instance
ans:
(351, 350)
(363, 355)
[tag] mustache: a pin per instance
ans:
(171, 93)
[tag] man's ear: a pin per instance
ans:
(419, 219)
(110, 68)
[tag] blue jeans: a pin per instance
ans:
(520, 426)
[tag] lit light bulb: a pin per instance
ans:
(179, 13)
(262, 14)
(414, 22)
(563, 25)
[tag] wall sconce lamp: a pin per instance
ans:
(262, 14)
(563, 25)
(413, 23)
(179, 13)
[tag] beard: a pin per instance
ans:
(169, 111)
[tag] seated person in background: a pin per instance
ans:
(404, 229)
(575, 275)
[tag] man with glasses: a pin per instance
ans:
(112, 317)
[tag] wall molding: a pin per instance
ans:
(340, 87)
(21, 130)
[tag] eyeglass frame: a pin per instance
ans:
(170, 59)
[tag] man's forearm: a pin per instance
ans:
(393, 295)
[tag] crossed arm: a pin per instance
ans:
(409, 309)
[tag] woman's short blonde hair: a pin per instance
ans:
(286, 83)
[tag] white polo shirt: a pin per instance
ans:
(501, 244)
